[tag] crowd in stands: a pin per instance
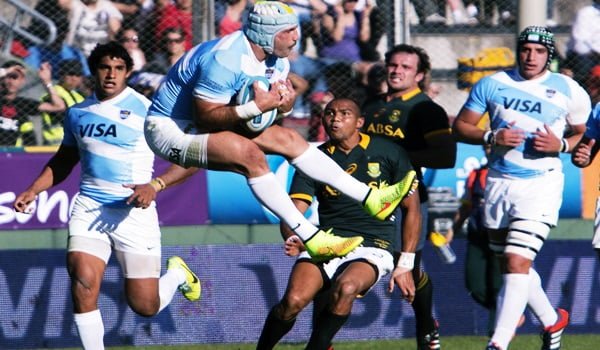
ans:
(337, 47)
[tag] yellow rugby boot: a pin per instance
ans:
(381, 202)
(191, 288)
(325, 245)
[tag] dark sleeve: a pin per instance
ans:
(400, 161)
(429, 117)
(303, 187)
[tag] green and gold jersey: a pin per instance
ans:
(408, 121)
(375, 161)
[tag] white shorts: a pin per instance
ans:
(537, 199)
(381, 259)
(596, 239)
(177, 141)
(133, 233)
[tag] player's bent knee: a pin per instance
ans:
(347, 288)
(526, 238)
(292, 305)
(143, 307)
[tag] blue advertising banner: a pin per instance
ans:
(228, 190)
(184, 204)
(241, 283)
(470, 157)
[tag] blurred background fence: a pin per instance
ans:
(468, 37)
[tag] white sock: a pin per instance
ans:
(167, 286)
(271, 194)
(511, 306)
(90, 329)
(320, 167)
(538, 300)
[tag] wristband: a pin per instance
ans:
(158, 184)
(564, 146)
(2, 72)
(406, 260)
(248, 110)
(49, 86)
(489, 137)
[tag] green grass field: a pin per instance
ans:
(522, 342)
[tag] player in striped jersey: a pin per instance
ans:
(115, 208)
(530, 109)
(194, 122)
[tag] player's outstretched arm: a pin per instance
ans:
(56, 170)
(144, 194)
(411, 229)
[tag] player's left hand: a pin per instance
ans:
(142, 195)
(403, 278)
(582, 154)
(287, 95)
(546, 141)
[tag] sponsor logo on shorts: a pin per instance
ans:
(175, 155)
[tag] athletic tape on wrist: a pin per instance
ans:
(247, 110)
(406, 260)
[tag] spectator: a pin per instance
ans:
(128, 37)
(309, 13)
(69, 84)
(16, 127)
(343, 31)
(56, 52)
(176, 15)
(376, 82)
(428, 12)
(93, 22)
(583, 48)
(232, 20)
(131, 11)
(55, 10)
(172, 47)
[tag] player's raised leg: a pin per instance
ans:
(314, 163)
(229, 151)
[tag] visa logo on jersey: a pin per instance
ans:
(522, 105)
(98, 130)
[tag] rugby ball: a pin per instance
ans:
(262, 121)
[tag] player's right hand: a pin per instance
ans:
(509, 136)
(266, 100)
(22, 202)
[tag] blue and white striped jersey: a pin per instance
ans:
(593, 124)
(112, 147)
(214, 71)
(552, 99)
